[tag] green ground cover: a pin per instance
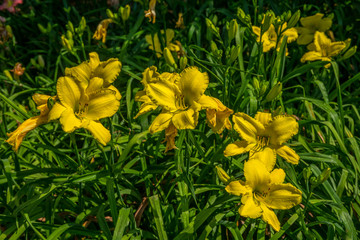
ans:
(179, 119)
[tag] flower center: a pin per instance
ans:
(261, 143)
(82, 110)
(180, 102)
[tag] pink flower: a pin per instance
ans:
(10, 5)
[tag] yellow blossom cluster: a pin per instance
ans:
(180, 97)
(263, 137)
(84, 96)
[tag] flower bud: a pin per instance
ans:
(222, 175)
(349, 52)
(41, 61)
(274, 92)
(183, 62)
(9, 31)
(233, 27)
(41, 28)
(125, 12)
(324, 175)
(212, 27)
(169, 57)
(82, 25)
(213, 47)
(235, 51)
(267, 22)
(8, 74)
(307, 173)
(294, 19)
(109, 13)
(69, 35)
(66, 43)
(264, 86)
(70, 27)
(256, 84)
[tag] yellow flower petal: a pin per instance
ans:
(187, 119)
(161, 122)
(263, 118)
(256, 174)
(95, 84)
(277, 176)
(94, 61)
(16, 137)
(108, 70)
(236, 148)
(218, 119)
(250, 209)
(40, 99)
(150, 75)
(257, 32)
(154, 44)
(305, 38)
(81, 74)
(335, 48)
(162, 94)
(267, 156)
(288, 154)
(313, 56)
(321, 41)
(102, 104)
(100, 133)
(192, 84)
(170, 33)
(291, 33)
(247, 127)
(237, 188)
(270, 217)
(117, 93)
(144, 108)
(281, 129)
(316, 22)
(68, 92)
(69, 121)
(208, 102)
(56, 111)
(282, 196)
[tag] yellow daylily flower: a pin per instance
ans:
(269, 38)
(312, 24)
(264, 137)
(218, 119)
(180, 101)
(322, 49)
(16, 137)
(107, 70)
(264, 191)
(101, 30)
(151, 14)
(155, 42)
(83, 108)
(150, 75)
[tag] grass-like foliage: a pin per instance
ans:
(167, 119)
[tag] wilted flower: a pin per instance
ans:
(180, 22)
(101, 30)
(18, 70)
(151, 14)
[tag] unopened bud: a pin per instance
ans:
(169, 57)
(109, 13)
(9, 31)
(212, 27)
(41, 28)
(274, 92)
(307, 173)
(350, 52)
(264, 86)
(65, 42)
(267, 22)
(294, 19)
(82, 26)
(235, 51)
(233, 27)
(256, 84)
(50, 103)
(213, 47)
(324, 175)
(41, 61)
(69, 35)
(70, 27)
(125, 12)
(222, 175)
(8, 74)
(183, 62)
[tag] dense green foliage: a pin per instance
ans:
(60, 185)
